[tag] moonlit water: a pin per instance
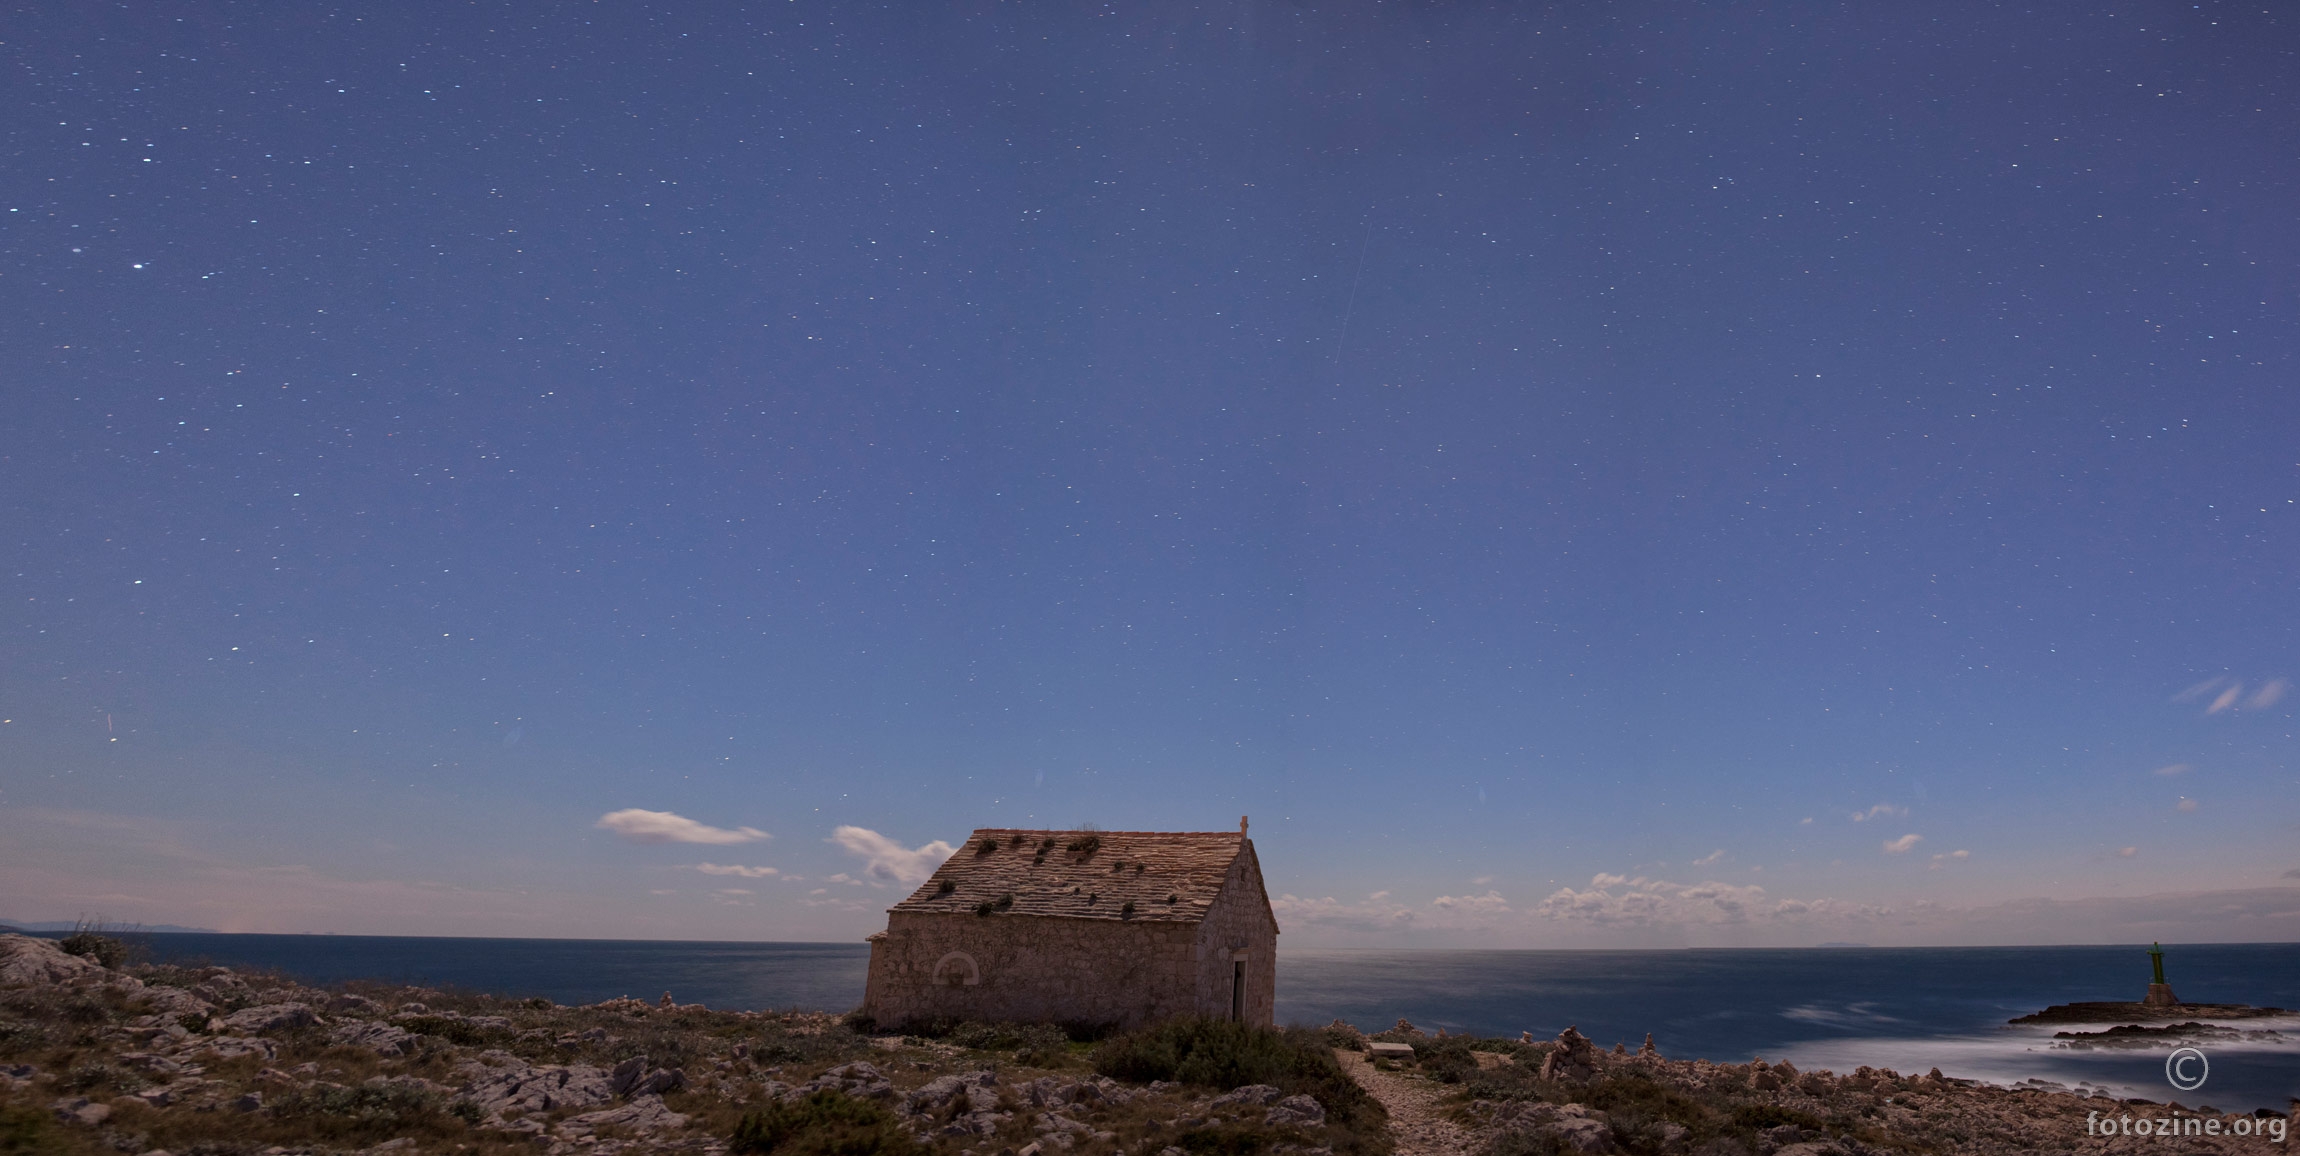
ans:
(1910, 1009)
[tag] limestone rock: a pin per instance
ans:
(1299, 1111)
(237, 1047)
(858, 1079)
(82, 1111)
(157, 1097)
(175, 1002)
(1055, 1123)
(943, 1091)
(522, 1088)
(26, 960)
(644, 1114)
(659, 1081)
(380, 1038)
(1250, 1095)
(266, 1018)
(1571, 1127)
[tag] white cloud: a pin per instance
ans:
(1885, 809)
(2185, 804)
(1489, 903)
(2175, 769)
(1948, 857)
(886, 861)
(1481, 881)
(1711, 859)
(1619, 901)
(1375, 913)
(2231, 694)
(843, 877)
(2200, 689)
(2129, 852)
(1807, 821)
(731, 869)
(1903, 845)
(664, 827)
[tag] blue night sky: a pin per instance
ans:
(629, 472)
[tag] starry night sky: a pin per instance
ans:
(1491, 445)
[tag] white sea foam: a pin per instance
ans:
(2027, 1054)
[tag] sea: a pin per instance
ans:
(1910, 1009)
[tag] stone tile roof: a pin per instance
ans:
(1169, 876)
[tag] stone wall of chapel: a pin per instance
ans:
(1240, 915)
(1034, 968)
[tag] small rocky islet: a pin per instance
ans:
(144, 1059)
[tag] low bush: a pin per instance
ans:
(454, 1031)
(56, 1005)
(26, 1129)
(89, 941)
(1225, 1141)
(90, 1077)
(369, 1111)
(1637, 1094)
(1222, 1054)
(776, 1046)
(1449, 1060)
(1758, 1117)
(1537, 1143)
(1009, 1036)
(823, 1124)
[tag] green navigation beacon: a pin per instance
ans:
(2159, 992)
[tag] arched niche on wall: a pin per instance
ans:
(957, 968)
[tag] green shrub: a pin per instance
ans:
(1449, 1059)
(27, 1129)
(1040, 1045)
(454, 1031)
(824, 1124)
(1229, 1140)
(366, 1111)
(89, 941)
(1535, 1143)
(1758, 1117)
(1638, 1095)
(1222, 1054)
(89, 1077)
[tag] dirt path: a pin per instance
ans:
(1417, 1120)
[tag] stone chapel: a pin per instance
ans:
(1102, 928)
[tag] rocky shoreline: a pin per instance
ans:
(212, 1062)
(2145, 1013)
(1567, 1096)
